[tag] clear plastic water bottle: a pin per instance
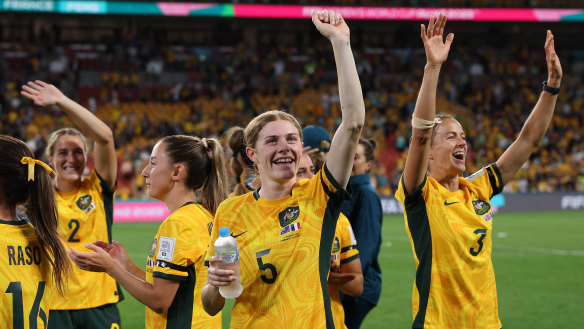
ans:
(226, 248)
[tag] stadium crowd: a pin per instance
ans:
(144, 90)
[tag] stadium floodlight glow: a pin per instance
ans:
(288, 11)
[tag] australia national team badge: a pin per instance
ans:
(85, 203)
(289, 215)
(481, 207)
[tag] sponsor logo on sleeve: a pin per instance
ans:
(152, 250)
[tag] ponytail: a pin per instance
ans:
(35, 194)
(214, 188)
(41, 210)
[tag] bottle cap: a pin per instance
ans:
(224, 231)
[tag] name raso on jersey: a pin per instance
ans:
(24, 255)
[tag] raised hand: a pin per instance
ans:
(331, 25)
(436, 48)
(553, 62)
(42, 93)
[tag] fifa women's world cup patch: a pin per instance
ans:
(85, 203)
(166, 248)
(482, 208)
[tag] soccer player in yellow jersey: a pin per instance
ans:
(85, 207)
(180, 166)
(345, 273)
(448, 217)
(285, 229)
(32, 259)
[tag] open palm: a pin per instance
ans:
(41, 93)
(436, 48)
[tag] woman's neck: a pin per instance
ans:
(178, 197)
(272, 190)
(64, 186)
(7, 213)
(449, 182)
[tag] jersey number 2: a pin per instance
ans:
(483, 234)
(15, 288)
(266, 266)
(73, 224)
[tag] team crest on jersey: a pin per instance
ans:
(84, 202)
(289, 215)
(152, 250)
(481, 207)
(336, 245)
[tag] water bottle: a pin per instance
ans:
(226, 248)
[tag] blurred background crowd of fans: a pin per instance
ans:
(149, 80)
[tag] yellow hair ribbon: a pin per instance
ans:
(31, 162)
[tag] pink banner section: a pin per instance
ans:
(182, 9)
(139, 211)
(406, 13)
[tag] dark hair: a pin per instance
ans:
(369, 148)
(37, 201)
(205, 166)
(236, 143)
(441, 116)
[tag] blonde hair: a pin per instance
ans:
(54, 137)
(257, 124)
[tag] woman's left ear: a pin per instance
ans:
(179, 172)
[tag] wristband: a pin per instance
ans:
(551, 90)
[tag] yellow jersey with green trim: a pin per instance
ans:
(178, 253)
(86, 215)
(451, 240)
(344, 251)
(285, 253)
(25, 278)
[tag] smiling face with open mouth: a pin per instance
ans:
(69, 158)
(277, 151)
(448, 150)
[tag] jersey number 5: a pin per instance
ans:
(266, 266)
(15, 288)
(483, 234)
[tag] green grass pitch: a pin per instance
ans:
(538, 259)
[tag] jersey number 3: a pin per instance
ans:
(266, 266)
(15, 288)
(475, 251)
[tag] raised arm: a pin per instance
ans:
(344, 143)
(46, 95)
(538, 121)
(436, 53)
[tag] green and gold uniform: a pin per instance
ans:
(178, 253)
(25, 278)
(450, 234)
(344, 251)
(285, 253)
(86, 215)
